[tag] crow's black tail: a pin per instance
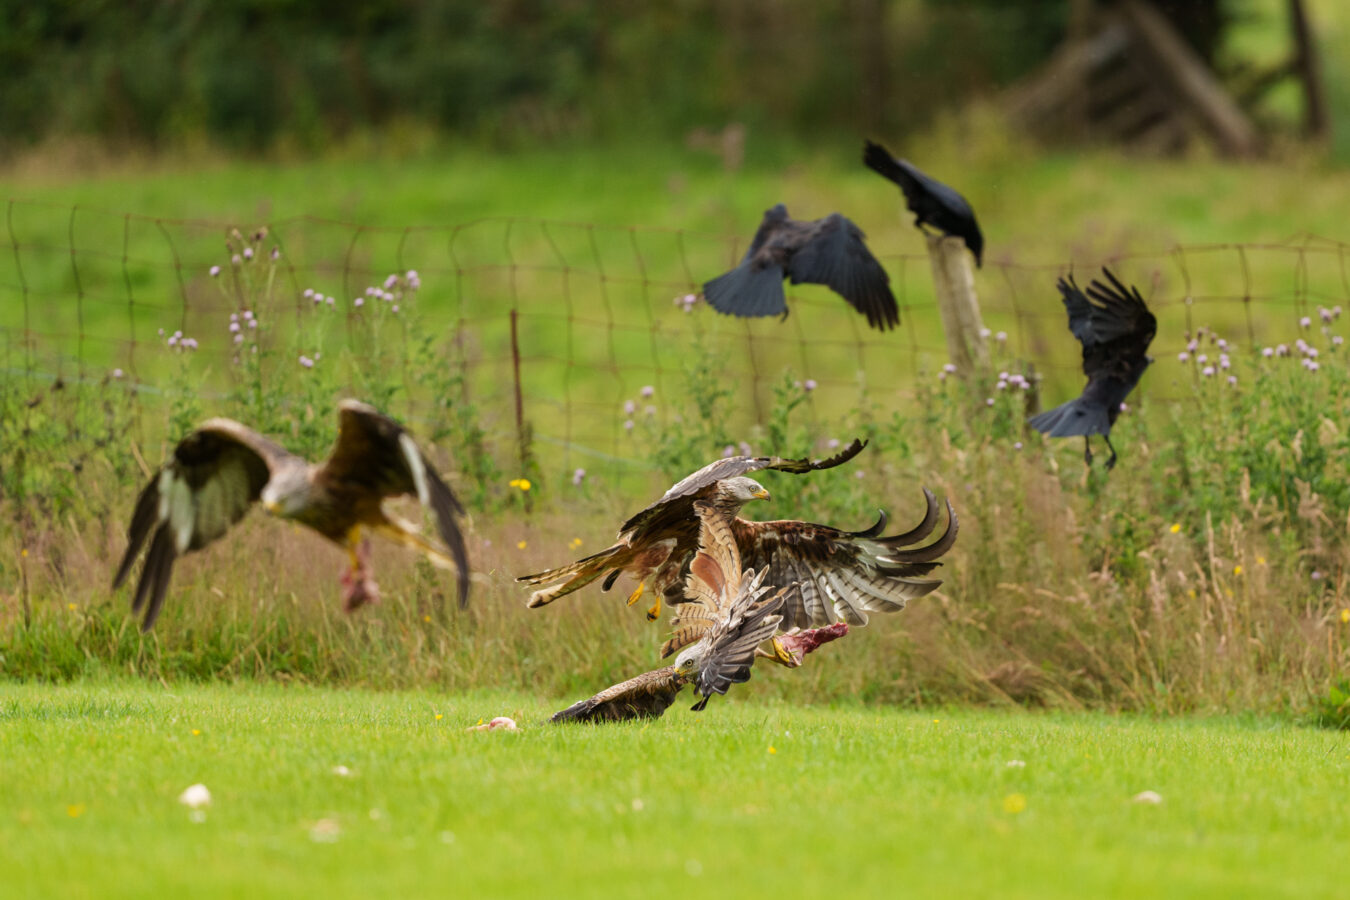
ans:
(747, 291)
(1075, 418)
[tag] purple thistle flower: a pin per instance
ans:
(1222, 344)
(629, 407)
(578, 476)
(745, 449)
(161, 332)
(649, 410)
(942, 376)
(117, 373)
(248, 253)
(189, 343)
(1017, 445)
(1001, 386)
(1193, 345)
(372, 292)
(1312, 366)
(359, 302)
(1232, 381)
(1305, 322)
(173, 340)
(860, 475)
(1207, 371)
(307, 293)
(1336, 312)
(1301, 344)
(1202, 358)
(214, 271)
(330, 301)
(390, 282)
(647, 391)
(306, 362)
(832, 444)
(628, 425)
(1267, 352)
(809, 385)
(234, 327)
(1002, 376)
(1224, 363)
(949, 368)
(1316, 576)
(1282, 350)
(252, 323)
(985, 332)
(234, 317)
(1337, 340)
(1325, 314)
(248, 314)
(1183, 356)
(1124, 407)
(728, 451)
(238, 338)
(394, 308)
(276, 253)
(236, 259)
(1001, 337)
(412, 275)
(988, 401)
(1311, 353)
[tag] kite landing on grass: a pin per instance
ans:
(220, 470)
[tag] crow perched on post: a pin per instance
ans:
(1115, 329)
(828, 251)
(931, 201)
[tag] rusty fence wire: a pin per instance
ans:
(556, 326)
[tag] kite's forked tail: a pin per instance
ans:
(577, 575)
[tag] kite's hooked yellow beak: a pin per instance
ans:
(761, 494)
(272, 507)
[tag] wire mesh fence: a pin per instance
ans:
(556, 326)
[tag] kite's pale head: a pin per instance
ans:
(742, 490)
(688, 662)
(286, 494)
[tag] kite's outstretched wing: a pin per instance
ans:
(645, 697)
(374, 457)
(841, 575)
(216, 474)
(731, 467)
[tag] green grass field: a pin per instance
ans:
(744, 799)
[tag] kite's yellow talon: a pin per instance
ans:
(637, 593)
(781, 653)
(655, 612)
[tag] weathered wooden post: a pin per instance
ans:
(954, 284)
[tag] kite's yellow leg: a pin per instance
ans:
(637, 592)
(655, 612)
(415, 541)
(780, 654)
(354, 541)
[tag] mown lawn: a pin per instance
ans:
(745, 799)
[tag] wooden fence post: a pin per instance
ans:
(954, 284)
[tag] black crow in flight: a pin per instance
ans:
(1115, 329)
(828, 251)
(931, 201)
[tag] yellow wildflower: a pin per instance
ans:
(1191, 593)
(70, 606)
(771, 750)
(439, 716)
(426, 618)
(1237, 570)
(1014, 804)
(1260, 560)
(196, 732)
(75, 810)
(576, 542)
(1176, 528)
(522, 483)
(520, 545)
(23, 554)
(1345, 616)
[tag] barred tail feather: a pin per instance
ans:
(573, 576)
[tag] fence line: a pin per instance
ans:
(555, 325)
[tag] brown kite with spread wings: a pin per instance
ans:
(831, 575)
(725, 616)
(220, 470)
